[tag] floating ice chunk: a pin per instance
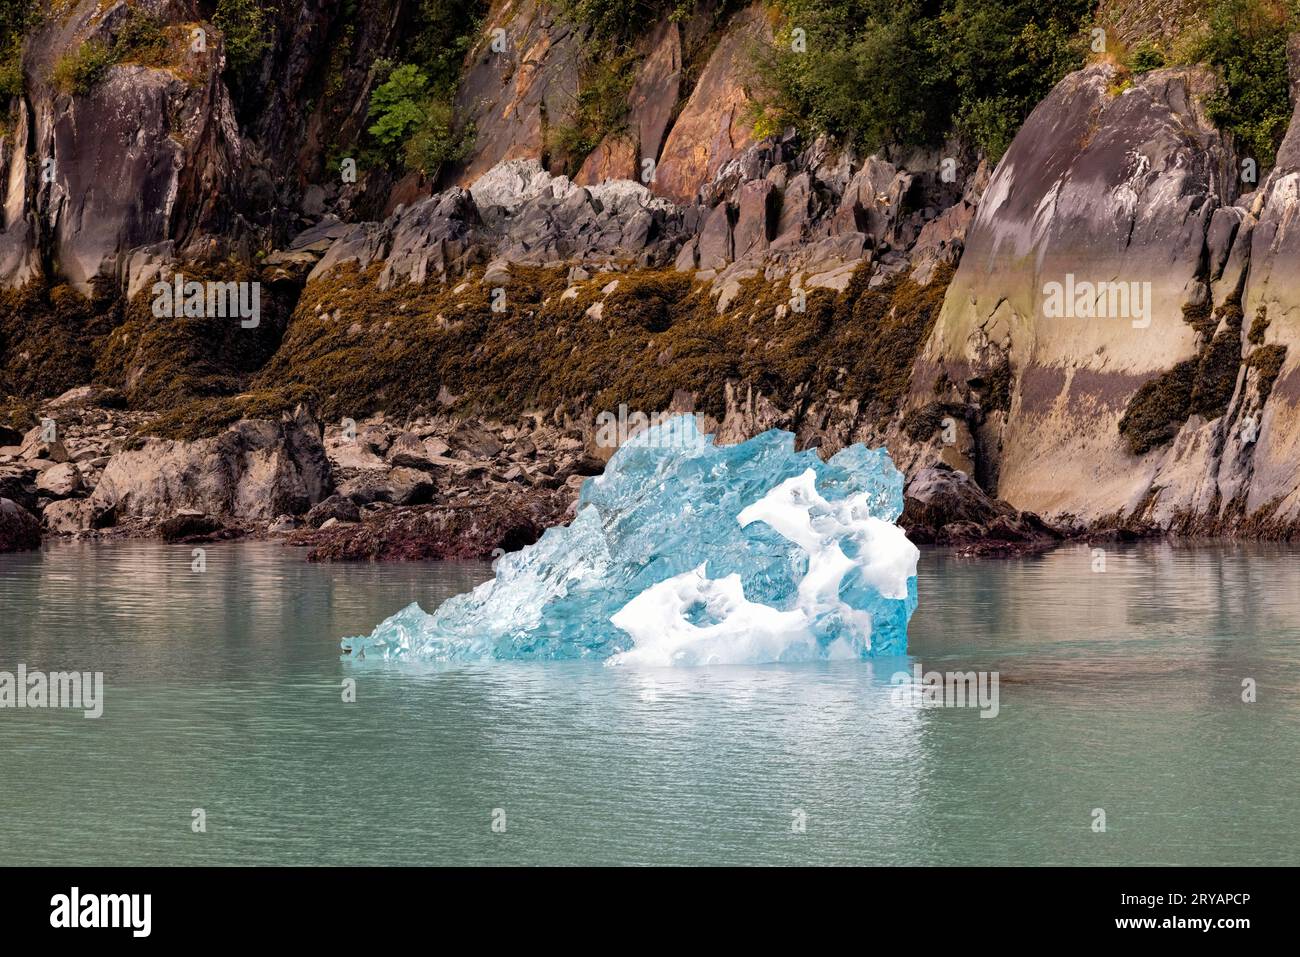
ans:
(684, 552)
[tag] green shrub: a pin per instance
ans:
(244, 30)
(16, 16)
(911, 72)
(436, 140)
(613, 19)
(11, 68)
(1246, 42)
(1145, 57)
(442, 33)
(77, 71)
(408, 123)
(141, 39)
(601, 109)
(397, 106)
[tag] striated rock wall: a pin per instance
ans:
(1179, 413)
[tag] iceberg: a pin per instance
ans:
(685, 552)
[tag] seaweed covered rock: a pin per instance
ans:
(480, 528)
(943, 506)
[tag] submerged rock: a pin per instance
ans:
(684, 552)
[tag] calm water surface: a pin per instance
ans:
(1120, 690)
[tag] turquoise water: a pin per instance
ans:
(1119, 690)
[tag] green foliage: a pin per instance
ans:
(912, 71)
(1246, 41)
(615, 19)
(1146, 57)
(408, 123)
(77, 71)
(444, 32)
(16, 16)
(244, 30)
(141, 39)
(397, 105)
(11, 67)
(436, 140)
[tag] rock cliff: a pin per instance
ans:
(1095, 327)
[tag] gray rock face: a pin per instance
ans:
(1096, 188)
(516, 213)
(171, 145)
(513, 95)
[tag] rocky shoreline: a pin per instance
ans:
(433, 488)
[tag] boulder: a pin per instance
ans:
(36, 446)
(337, 507)
(60, 481)
(399, 486)
(19, 529)
(944, 506)
(255, 470)
(68, 516)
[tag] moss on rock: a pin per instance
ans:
(1159, 408)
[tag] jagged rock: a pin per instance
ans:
(756, 219)
(799, 206)
(19, 530)
(942, 506)
(414, 452)
(474, 440)
(715, 248)
(171, 142)
(432, 238)
(512, 97)
(35, 446)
